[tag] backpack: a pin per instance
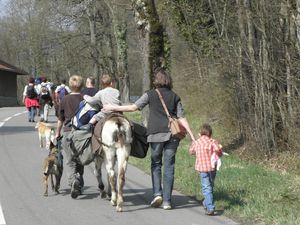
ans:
(62, 92)
(31, 93)
(84, 114)
(45, 94)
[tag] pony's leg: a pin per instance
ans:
(98, 173)
(122, 155)
(109, 164)
(45, 181)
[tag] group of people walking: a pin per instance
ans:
(40, 95)
(163, 145)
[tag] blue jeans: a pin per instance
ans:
(207, 182)
(167, 150)
(31, 113)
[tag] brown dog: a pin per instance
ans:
(52, 166)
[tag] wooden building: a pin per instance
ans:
(8, 84)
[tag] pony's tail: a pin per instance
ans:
(119, 135)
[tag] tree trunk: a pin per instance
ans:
(91, 13)
(120, 34)
(152, 39)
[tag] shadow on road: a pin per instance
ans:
(138, 197)
(9, 130)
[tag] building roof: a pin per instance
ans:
(4, 66)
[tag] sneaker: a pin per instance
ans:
(210, 212)
(75, 190)
(167, 206)
(156, 202)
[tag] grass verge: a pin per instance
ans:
(246, 192)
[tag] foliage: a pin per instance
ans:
(194, 20)
(247, 192)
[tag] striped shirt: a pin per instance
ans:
(203, 148)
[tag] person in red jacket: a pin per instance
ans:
(30, 99)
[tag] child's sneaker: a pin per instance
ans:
(210, 212)
(156, 202)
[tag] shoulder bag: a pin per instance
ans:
(177, 130)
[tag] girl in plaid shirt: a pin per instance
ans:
(204, 148)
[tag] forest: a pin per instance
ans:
(235, 63)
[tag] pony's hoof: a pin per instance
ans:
(46, 195)
(113, 203)
(119, 209)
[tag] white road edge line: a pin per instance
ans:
(2, 220)
(7, 119)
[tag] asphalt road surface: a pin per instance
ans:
(21, 190)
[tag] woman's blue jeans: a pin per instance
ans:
(167, 151)
(31, 113)
(207, 183)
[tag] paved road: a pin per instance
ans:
(21, 191)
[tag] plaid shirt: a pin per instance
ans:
(203, 148)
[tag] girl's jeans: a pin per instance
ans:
(207, 182)
(168, 149)
(31, 113)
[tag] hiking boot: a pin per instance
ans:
(156, 202)
(75, 190)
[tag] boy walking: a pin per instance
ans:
(204, 148)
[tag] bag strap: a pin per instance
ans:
(79, 108)
(163, 103)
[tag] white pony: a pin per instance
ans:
(116, 143)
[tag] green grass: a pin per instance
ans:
(248, 193)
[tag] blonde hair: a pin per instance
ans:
(75, 83)
(106, 80)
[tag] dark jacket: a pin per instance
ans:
(45, 99)
(158, 120)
